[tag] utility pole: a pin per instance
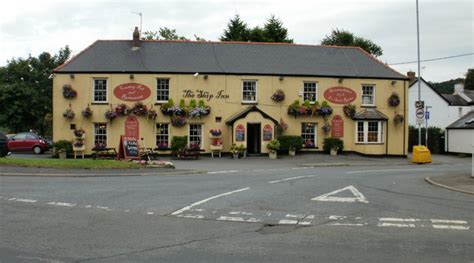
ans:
(427, 116)
(419, 70)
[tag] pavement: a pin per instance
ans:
(461, 182)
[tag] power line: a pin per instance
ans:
(432, 59)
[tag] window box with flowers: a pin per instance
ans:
(325, 110)
(198, 110)
(296, 109)
(140, 109)
(216, 144)
(122, 110)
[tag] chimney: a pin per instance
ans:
(136, 39)
(459, 88)
(411, 75)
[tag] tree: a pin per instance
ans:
(26, 91)
(469, 82)
(163, 33)
(237, 30)
(346, 38)
(275, 32)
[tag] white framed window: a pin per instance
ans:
(162, 135)
(310, 91)
(249, 91)
(370, 132)
(162, 90)
(195, 135)
(460, 111)
(100, 90)
(309, 135)
(100, 134)
(368, 95)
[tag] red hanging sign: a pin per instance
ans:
(132, 92)
(132, 127)
(337, 127)
(240, 133)
(267, 132)
(340, 95)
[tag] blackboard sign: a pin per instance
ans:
(128, 148)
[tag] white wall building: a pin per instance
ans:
(460, 135)
(446, 108)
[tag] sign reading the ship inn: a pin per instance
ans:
(132, 92)
(340, 95)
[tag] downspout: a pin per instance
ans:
(405, 116)
(386, 140)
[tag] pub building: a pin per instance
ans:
(250, 91)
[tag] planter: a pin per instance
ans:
(292, 152)
(216, 147)
(235, 156)
(272, 155)
(62, 155)
(333, 152)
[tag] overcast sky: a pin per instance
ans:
(31, 27)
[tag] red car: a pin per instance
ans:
(27, 141)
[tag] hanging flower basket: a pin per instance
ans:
(110, 115)
(87, 112)
(215, 132)
(69, 92)
(122, 110)
(325, 110)
(278, 96)
(349, 110)
(394, 100)
(282, 126)
(178, 121)
(79, 133)
(69, 114)
(139, 109)
(152, 114)
(398, 119)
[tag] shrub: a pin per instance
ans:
(273, 145)
(178, 143)
(331, 143)
(290, 141)
(192, 103)
(62, 145)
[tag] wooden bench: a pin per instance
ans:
(104, 153)
(187, 153)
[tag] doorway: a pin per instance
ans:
(253, 138)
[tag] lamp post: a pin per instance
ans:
(427, 115)
(419, 70)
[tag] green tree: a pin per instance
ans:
(345, 38)
(163, 33)
(26, 91)
(275, 32)
(469, 82)
(236, 30)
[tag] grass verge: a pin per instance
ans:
(70, 163)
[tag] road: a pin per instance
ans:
(283, 214)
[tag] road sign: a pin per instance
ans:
(427, 115)
(419, 104)
(420, 113)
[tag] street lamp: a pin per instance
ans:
(419, 70)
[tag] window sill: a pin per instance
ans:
(249, 103)
(369, 143)
(368, 106)
(160, 102)
(100, 103)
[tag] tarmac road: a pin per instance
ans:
(283, 214)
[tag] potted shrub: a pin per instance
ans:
(273, 146)
(234, 149)
(290, 143)
(62, 148)
(333, 145)
(178, 144)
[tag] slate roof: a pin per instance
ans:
(245, 112)
(455, 100)
(369, 114)
(243, 58)
(465, 122)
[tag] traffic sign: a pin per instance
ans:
(420, 113)
(419, 104)
(427, 115)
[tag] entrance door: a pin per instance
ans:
(253, 138)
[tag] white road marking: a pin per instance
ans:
(192, 216)
(310, 217)
(26, 200)
(396, 225)
(104, 208)
(223, 172)
(346, 224)
(304, 223)
(61, 204)
(291, 178)
(177, 212)
(150, 213)
(451, 227)
(359, 197)
(238, 219)
(448, 221)
(239, 213)
(399, 219)
(297, 216)
(337, 217)
(287, 222)
(389, 170)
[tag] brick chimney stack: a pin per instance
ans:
(411, 75)
(136, 39)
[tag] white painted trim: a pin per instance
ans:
(317, 89)
(106, 90)
(242, 91)
(156, 90)
(362, 95)
(202, 134)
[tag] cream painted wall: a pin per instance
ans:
(230, 85)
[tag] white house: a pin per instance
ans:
(445, 108)
(460, 134)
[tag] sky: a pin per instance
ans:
(446, 26)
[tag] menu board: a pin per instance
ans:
(267, 132)
(337, 125)
(240, 133)
(128, 148)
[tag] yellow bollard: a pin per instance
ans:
(421, 154)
